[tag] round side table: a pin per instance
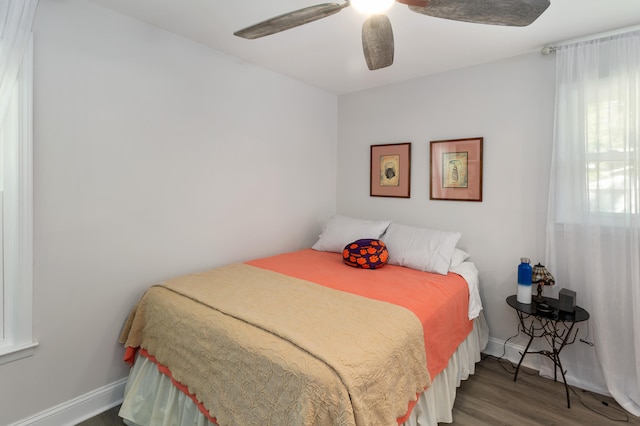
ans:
(552, 324)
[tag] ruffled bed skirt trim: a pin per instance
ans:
(152, 398)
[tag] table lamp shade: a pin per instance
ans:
(542, 277)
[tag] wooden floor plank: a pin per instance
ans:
(491, 397)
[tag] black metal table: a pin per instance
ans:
(554, 325)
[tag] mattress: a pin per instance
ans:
(388, 305)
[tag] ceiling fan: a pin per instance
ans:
(377, 35)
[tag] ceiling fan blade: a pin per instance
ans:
(291, 20)
(514, 13)
(377, 42)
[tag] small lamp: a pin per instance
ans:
(542, 277)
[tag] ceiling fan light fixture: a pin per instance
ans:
(377, 34)
(372, 7)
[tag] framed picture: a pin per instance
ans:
(391, 170)
(456, 170)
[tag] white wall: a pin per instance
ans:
(154, 156)
(508, 103)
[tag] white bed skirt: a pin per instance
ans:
(151, 399)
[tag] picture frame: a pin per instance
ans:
(390, 172)
(456, 169)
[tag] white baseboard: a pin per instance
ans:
(511, 352)
(79, 409)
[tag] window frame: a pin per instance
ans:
(16, 340)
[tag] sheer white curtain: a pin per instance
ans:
(594, 205)
(16, 226)
(16, 18)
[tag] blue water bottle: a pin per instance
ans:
(524, 281)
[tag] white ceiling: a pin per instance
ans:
(328, 53)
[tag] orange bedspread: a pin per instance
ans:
(439, 301)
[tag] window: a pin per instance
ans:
(611, 156)
(16, 230)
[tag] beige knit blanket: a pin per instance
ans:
(260, 348)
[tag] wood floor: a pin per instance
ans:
(491, 397)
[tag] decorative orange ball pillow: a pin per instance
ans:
(365, 254)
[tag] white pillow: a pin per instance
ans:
(419, 248)
(342, 230)
(457, 258)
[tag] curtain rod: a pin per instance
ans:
(552, 47)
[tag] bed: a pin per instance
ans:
(301, 338)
